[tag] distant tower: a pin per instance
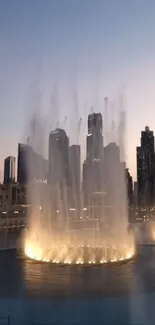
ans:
(9, 170)
(146, 168)
(129, 187)
(94, 136)
(75, 173)
(92, 178)
(58, 176)
(58, 158)
(23, 168)
(75, 167)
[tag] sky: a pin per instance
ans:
(65, 56)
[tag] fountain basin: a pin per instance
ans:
(80, 255)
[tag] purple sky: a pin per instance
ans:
(98, 47)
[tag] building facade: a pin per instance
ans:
(129, 187)
(146, 169)
(23, 165)
(58, 176)
(92, 166)
(75, 174)
(9, 170)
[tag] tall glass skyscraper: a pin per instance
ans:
(58, 158)
(9, 170)
(92, 180)
(146, 168)
(94, 137)
(24, 157)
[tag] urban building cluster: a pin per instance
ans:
(76, 183)
(70, 181)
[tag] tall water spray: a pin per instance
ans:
(72, 221)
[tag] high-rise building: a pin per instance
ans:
(40, 167)
(147, 139)
(129, 187)
(146, 168)
(135, 194)
(75, 173)
(112, 167)
(9, 170)
(92, 176)
(25, 153)
(94, 137)
(115, 184)
(31, 165)
(59, 164)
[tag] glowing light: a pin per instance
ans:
(77, 254)
(29, 251)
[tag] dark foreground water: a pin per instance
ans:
(37, 293)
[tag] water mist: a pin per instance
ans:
(70, 223)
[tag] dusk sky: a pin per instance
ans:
(98, 47)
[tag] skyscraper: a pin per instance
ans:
(9, 170)
(129, 187)
(94, 137)
(58, 157)
(31, 165)
(92, 180)
(75, 173)
(24, 157)
(146, 168)
(112, 166)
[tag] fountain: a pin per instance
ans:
(70, 223)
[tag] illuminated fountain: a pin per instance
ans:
(63, 252)
(71, 225)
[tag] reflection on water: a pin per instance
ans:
(43, 293)
(52, 281)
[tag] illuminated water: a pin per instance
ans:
(49, 237)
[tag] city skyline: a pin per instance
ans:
(95, 149)
(110, 51)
